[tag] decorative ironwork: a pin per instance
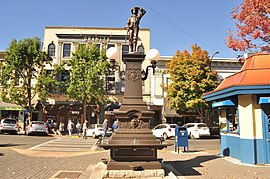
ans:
(134, 124)
(134, 67)
(133, 76)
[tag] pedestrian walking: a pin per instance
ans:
(115, 125)
(61, 128)
(70, 127)
(84, 129)
(105, 128)
(78, 128)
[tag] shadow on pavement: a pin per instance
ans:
(186, 167)
(10, 145)
(193, 151)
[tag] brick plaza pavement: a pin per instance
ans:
(42, 165)
(23, 164)
(209, 165)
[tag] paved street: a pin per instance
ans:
(34, 157)
(44, 156)
(40, 157)
(66, 145)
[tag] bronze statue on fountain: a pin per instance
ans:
(133, 28)
(133, 146)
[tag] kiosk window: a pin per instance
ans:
(233, 120)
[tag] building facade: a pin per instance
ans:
(60, 42)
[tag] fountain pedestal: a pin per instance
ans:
(133, 149)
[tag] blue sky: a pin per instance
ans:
(174, 24)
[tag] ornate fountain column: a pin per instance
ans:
(133, 105)
(133, 146)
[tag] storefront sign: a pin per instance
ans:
(75, 112)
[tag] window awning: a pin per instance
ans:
(223, 103)
(10, 107)
(264, 100)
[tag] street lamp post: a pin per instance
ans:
(217, 52)
(210, 108)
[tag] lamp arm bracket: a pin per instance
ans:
(145, 73)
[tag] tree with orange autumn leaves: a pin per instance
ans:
(252, 26)
(190, 76)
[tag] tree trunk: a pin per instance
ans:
(200, 112)
(84, 108)
(29, 101)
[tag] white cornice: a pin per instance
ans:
(90, 28)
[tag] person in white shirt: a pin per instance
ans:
(70, 127)
(84, 129)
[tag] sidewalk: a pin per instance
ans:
(208, 164)
(194, 164)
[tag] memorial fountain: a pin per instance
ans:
(133, 146)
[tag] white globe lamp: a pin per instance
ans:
(153, 55)
(112, 53)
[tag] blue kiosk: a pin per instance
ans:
(243, 102)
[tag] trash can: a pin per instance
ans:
(181, 138)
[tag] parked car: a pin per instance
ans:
(197, 130)
(164, 130)
(9, 125)
(96, 130)
(37, 127)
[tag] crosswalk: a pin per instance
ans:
(67, 145)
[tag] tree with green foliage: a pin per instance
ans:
(86, 80)
(190, 76)
(21, 70)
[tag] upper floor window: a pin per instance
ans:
(110, 45)
(79, 46)
(125, 49)
(98, 47)
(66, 50)
(64, 76)
(51, 49)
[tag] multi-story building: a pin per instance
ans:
(60, 42)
